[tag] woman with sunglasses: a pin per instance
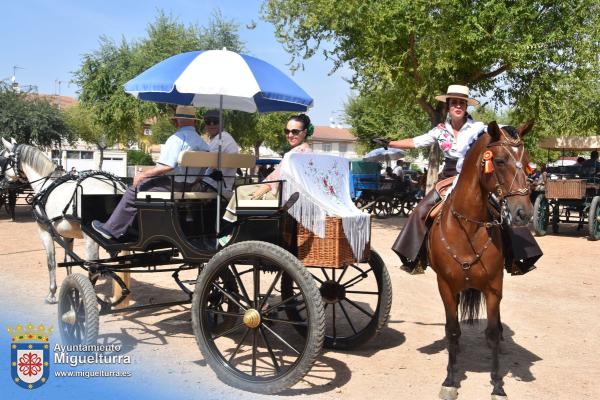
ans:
(298, 129)
(454, 137)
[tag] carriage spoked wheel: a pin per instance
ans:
(357, 301)
(382, 207)
(407, 207)
(555, 217)
(541, 215)
(396, 205)
(594, 219)
(260, 351)
(78, 316)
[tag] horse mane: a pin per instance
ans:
(36, 159)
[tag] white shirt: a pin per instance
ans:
(451, 146)
(185, 138)
(230, 146)
(398, 171)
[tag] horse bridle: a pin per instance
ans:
(498, 196)
(12, 162)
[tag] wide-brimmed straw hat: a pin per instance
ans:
(458, 92)
(185, 112)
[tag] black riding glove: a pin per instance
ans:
(381, 141)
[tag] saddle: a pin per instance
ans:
(441, 187)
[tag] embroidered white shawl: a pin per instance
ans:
(323, 184)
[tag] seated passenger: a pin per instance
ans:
(591, 168)
(186, 138)
(229, 145)
(297, 130)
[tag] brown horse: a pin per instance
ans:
(465, 241)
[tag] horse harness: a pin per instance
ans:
(498, 204)
(40, 199)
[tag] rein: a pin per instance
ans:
(498, 198)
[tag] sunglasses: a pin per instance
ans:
(211, 121)
(294, 132)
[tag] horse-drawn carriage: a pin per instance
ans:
(570, 195)
(258, 315)
(381, 197)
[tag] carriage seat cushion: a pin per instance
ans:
(177, 195)
(274, 203)
(204, 159)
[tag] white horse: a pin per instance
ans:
(38, 169)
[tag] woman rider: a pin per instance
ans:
(298, 129)
(454, 138)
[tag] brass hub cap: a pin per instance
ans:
(69, 317)
(252, 318)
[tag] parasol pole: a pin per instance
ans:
(220, 182)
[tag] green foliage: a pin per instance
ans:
(539, 57)
(162, 129)
(31, 119)
(104, 71)
(138, 157)
(83, 125)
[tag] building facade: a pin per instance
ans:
(332, 140)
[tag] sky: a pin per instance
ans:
(47, 39)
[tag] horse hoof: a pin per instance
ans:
(448, 393)
(51, 300)
(498, 397)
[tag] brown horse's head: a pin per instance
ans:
(504, 162)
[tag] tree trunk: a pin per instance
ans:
(434, 154)
(256, 154)
(101, 158)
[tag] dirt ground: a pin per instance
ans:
(551, 322)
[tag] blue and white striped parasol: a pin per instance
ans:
(219, 79)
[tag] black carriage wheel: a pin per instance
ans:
(407, 207)
(261, 352)
(29, 199)
(396, 205)
(382, 207)
(350, 296)
(555, 217)
(78, 316)
(541, 214)
(594, 219)
(360, 202)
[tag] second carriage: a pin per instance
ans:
(570, 194)
(382, 197)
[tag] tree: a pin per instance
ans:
(82, 123)
(31, 119)
(103, 72)
(520, 52)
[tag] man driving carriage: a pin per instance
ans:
(155, 179)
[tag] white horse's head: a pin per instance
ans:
(25, 162)
(7, 160)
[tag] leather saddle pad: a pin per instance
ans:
(441, 188)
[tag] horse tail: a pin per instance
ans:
(470, 305)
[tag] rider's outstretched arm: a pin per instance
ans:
(402, 144)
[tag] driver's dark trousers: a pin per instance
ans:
(124, 214)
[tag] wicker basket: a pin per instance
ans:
(566, 189)
(333, 251)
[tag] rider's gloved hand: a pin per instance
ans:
(381, 142)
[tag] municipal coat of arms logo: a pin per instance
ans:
(30, 355)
